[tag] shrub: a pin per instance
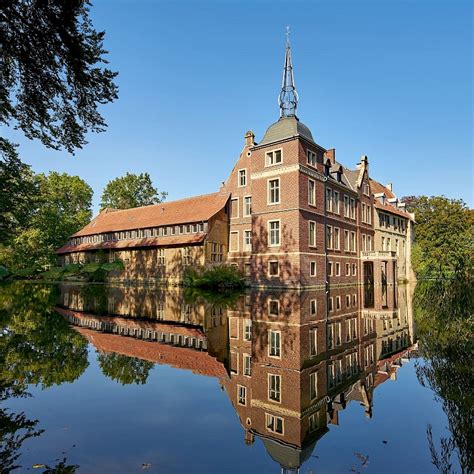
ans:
(220, 277)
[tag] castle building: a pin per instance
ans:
(289, 215)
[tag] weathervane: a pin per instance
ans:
(288, 98)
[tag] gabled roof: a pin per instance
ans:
(193, 209)
(376, 188)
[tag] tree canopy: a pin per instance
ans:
(52, 71)
(443, 235)
(129, 191)
(60, 207)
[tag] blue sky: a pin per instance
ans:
(389, 79)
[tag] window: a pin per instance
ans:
(241, 395)
(234, 241)
(273, 308)
(330, 305)
(247, 365)
(330, 336)
(353, 242)
(247, 269)
(311, 156)
(273, 268)
(312, 233)
(234, 208)
(328, 199)
(330, 269)
(347, 211)
(352, 213)
(338, 269)
(337, 238)
(312, 307)
(216, 252)
(346, 241)
(337, 332)
(348, 269)
(187, 259)
(348, 301)
(247, 206)
(248, 330)
(274, 233)
(274, 191)
(354, 269)
(274, 423)
(248, 240)
(331, 375)
(242, 178)
(312, 269)
(311, 192)
(313, 342)
(338, 301)
(329, 237)
(274, 157)
(313, 422)
(313, 386)
(274, 387)
(335, 206)
(274, 347)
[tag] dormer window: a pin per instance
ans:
(311, 158)
(327, 168)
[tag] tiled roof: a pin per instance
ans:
(286, 127)
(134, 243)
(193, 209)
(179, 357)
(376, 188)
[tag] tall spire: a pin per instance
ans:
(288, 98)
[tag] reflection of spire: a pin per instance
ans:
(288, 98)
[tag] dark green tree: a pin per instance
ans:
(443, 235)
(131, 190)
(124, 369)
(52, 74)
(61, 207)
(443, 310)
(18, 192)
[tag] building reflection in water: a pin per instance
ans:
(289, 361)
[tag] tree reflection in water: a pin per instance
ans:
(124, 369)
(443, 312)
(36, 347)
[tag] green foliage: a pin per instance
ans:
(131, 190)
(221, 277)
(3, 272)
(444, 315)
(18, 191)
(52, 75)
(124, 369)
(444, 236)
(37, 346)
(61, 207)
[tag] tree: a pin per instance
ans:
(443, 235)
(18, 191)
(61, 208)
(129, 191)
(124, 369)
(52, 73)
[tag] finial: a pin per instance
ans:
(288, 98)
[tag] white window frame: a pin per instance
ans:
(269, 203)
(312, 234)
(313, 342)
(247, 246)
(244, 390)
(239, 184)
(271, 420)
(278, 349)
(238, 208)
(269, 377)
(244, 210)
(309, 158)
(267, 163)
(278, 265)
(313, 307)
(269, 232)
(312, 196)
(237, 240)
(312, 264)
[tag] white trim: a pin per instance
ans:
(238, 178)
(238, 243)
(273, 151)
(279, 232)
(268, 269)
(243, 206)
(268, 191)
(279, 348)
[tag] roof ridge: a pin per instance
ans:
(162, 203)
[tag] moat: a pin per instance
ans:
(97, 378)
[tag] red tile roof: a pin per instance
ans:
(200, 363)
(391, 209)
(188, 239)
(376, 188)
(193, 209)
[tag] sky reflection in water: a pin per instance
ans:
(128, 379)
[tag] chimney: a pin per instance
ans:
(389, 186)
(249, 138)
(331, 155)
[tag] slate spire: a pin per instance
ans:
(288, 98)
